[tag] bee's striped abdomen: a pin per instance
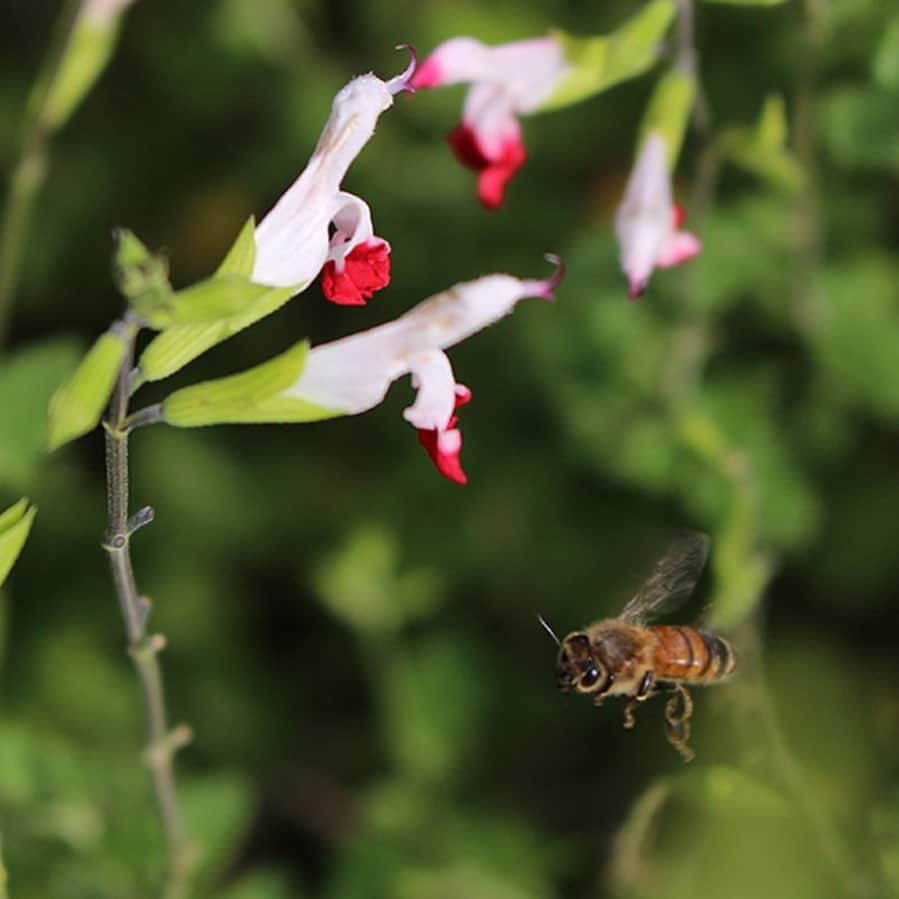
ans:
(684, 653)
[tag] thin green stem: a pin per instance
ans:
(149, 415)
(143, 648)
(24, 184)
(30, 169)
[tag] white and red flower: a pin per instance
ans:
(648, 223)
(353, 375)
(293, 243)
(506, 81)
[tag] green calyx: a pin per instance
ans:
(601, 61)
(204, 315)
(251, 397)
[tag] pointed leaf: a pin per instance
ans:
(242, 256)
(669, 111)
(177, 346)
(604, 60)
(763, 150)
(250, 397)
(771, 131)
(15, 523)
(77, 406)
(28, 377)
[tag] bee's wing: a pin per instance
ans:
(672, 580)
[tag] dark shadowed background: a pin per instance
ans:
(352, 637)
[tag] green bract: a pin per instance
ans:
(181, 344)
(15, 523)
(763, 150)
(142, 277)
(248, 398)
(241, 258)
(604, 60)
(208, 313)
(77, 406)
(669, 111)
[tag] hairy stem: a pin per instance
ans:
(143, 648)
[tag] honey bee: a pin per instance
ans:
(624, 656)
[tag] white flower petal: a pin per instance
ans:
(292, 240)
(645, 218)
(354, 374)
(353, 223)
(449, 442)
(432, 377)
(527, 72)
(488, 112)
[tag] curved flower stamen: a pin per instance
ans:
(403, 81)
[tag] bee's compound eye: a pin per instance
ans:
(590, 677)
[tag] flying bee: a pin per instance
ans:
(624, 656)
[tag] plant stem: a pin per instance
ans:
(24, 184)
(143, 648)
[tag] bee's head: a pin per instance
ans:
(578, 669)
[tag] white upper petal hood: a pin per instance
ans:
(292, 240)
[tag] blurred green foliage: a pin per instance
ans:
(353, 638)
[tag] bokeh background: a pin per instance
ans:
(352, 637)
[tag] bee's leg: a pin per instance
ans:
(678, 711)
(642, 694)
(602, 692)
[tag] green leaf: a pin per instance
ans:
(217, 809)
(242, 256)
(669, 111)
(362, 584)
(250, 397)
(763, 150)
(604, 60)
(177, 346)
(861, 128)
(15, 524)
(77, 406)
(857, 344)
(429, 740)
(28, 378)
(142, 277)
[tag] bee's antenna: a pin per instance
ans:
(548, 629)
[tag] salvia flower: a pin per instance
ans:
(293, 243)
(506, 81)
(353, 375)
(648, 222)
